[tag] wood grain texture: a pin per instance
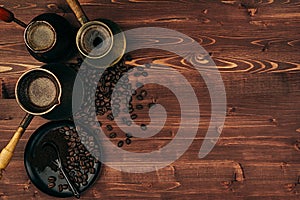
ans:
(258, 153)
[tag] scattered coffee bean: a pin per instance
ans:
(113, 135)
(128, 141)
(133, 116)
(92, 170)
(128, 135)
(109, 127)
(79, 180)
(60, 187)
(84, 183)
(151, 105)
(65, 186)
(51, 179)
(60, 175)
(139, 84)
(110, 117)
(145, 74)
(139, 97)
(120, 143)
(139, 107)
(133, 92)
(143, 127)
(143, 93)
(128, 123)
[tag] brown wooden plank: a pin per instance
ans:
(259, 60)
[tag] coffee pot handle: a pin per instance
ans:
(8, 16)
(8, 151)
(78, 11)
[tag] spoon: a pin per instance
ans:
(57, 162)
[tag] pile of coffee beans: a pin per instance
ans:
(112, 86)
(79, 156)
(82, 155)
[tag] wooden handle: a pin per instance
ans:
(6, 15)
(76, 8)
(8, 151)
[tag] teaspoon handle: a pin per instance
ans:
(74, 190)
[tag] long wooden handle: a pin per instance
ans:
(8, 151)
(77, 9)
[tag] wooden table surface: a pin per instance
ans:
(257, 155)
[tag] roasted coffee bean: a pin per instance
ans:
(84, 177)
(150, 105)
(79, 173)
(81, 162)
(139, 97)
(143, 93)
(87, 164)
(128, 141)
(139, 107)
(128, 123)
(139, 84)
(145, 74)
(61, 130)
(65, 186)
(124, 120)
(137, 74)
(92, 170)
(88, 153)
(72, 173)
(92, 144)
(71, 153)
(73, 144)
(110, 117)
(70, 167)
(128, 135)
(130, 110)
(79, 180)
(51, 185)
(109, 127)
(143, 127)
(133, 116)
(91, 163)
(133, 92)
(113, 135)
(84, 183)
(78, 140)
(60, 176)
(120, 143)
(51, 179)
(60, 187)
